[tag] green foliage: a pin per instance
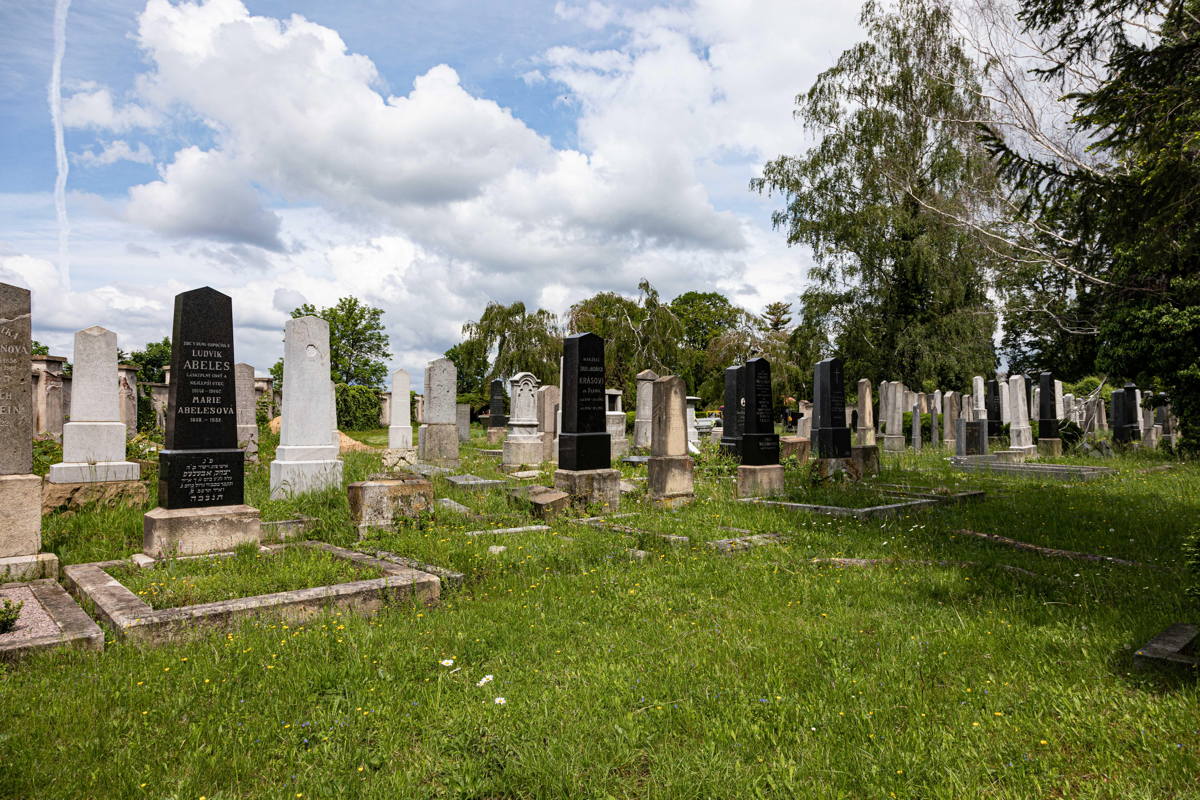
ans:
(45, 453)
(470, 358)
(358, 407)
(1128, 223)
(1191, 556)
(358, 343)
(515, 339)
(142, 447)
(147, 420)
(262, 410)
(10, 612)
(39, 349)
(900, 286)
(150, 361)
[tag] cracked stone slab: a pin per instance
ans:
(452, 505)
(429, 470)
(522, 529)
(469, 481)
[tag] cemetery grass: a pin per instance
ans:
(936, 672)
(248, 572)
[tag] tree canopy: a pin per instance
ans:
(358, 343)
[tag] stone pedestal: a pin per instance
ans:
(759, 481)
(299, 469)
(669, 480)
(893, 443)
(438, 444)
(495, 435)
(1012, 456)
(377, 502)
(21, 530)
(72, 496)
(796, 446)
(867, 459)
(521, 451)
(591, 486)
(194, 531)
(1049, 448)
(837, 469)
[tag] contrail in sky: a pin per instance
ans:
(61, 7)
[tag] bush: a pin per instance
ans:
(147, 420)
(45, 453)
(10, 612)
(262, 410)
(358, 407)
(1191, 553)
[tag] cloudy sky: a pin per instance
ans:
(426, 156)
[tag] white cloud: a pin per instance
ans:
(114, 151)
(202, 195)
(94, 108)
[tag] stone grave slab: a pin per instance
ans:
(469, 481)
(49, 619)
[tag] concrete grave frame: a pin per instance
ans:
(75, 628)
(1063, 472)
(134, 620)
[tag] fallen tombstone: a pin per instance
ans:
(1176, 646)
(473, 481)
(453, 505)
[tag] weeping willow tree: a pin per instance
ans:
(898, 282)
(511, 339)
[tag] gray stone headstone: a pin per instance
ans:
(16, 393)
(247, 422)
(645, 407)
(399, 425)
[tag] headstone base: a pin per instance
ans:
(20, 515)
(866, 437)
(95, 472)
(836, 469)
(397, 457)
(85, 442)
(522, 451)
(401, 436)
(1012, 456)
(1049, 448)
(796, 446)
(495, 435)
(546, 503)
(762, 480)
(437, 443)
(866, 456)
(378, 501)
(194, 531)
(291, 478)
(618, 446)
(669, 480)
(28, 568)
(72, 496)
(591, 486)
(893, 444)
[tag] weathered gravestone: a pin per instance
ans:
(20, 490)
(247, 423)
(547, 418)
(201, 468)
(733, 413)
(94, 439)
(614, 420)
(893, 438)
(584, 450)
(642, 424)
(307, 457)
(438, 435)
(462, 419)
(669, 478)
(950, 413)
(1048, 442)
(1020, 434)
(866, 417)
(400, 450)
(992, 406)
(523, 444)
(496, 417)
(760, 472)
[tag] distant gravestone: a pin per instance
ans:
(645, 405)
(584, 440)
(399, 424)
(992, 406)
(1020, 434)
(438, 436)
(523, 444)
(496, 405)
(247, 422)
(829, 407)
(463, 421)
(584, 447)
(733, 414)
(950, 413)
(866, 420)
(1047, 416)
(547, 417)
(669, 480)
(760, 443)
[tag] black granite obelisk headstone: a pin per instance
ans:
(760, 443)
(1118, 415)
(1047, 418)
(496, 405)
(201, 464)
(1130, 426)
(733, 414)
(991, 402)
(584, 442)
(829, 410)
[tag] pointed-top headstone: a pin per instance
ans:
(733, 413)
(829, 409)
(760, 443)
(584, 442)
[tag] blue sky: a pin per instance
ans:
(425, 156)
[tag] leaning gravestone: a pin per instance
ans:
(94, 439)
(733, 415)
(20, 490)
(307, 457)
(584, 469)
(523, 444)
(201, 468)
(669, 477)
(760, 473)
